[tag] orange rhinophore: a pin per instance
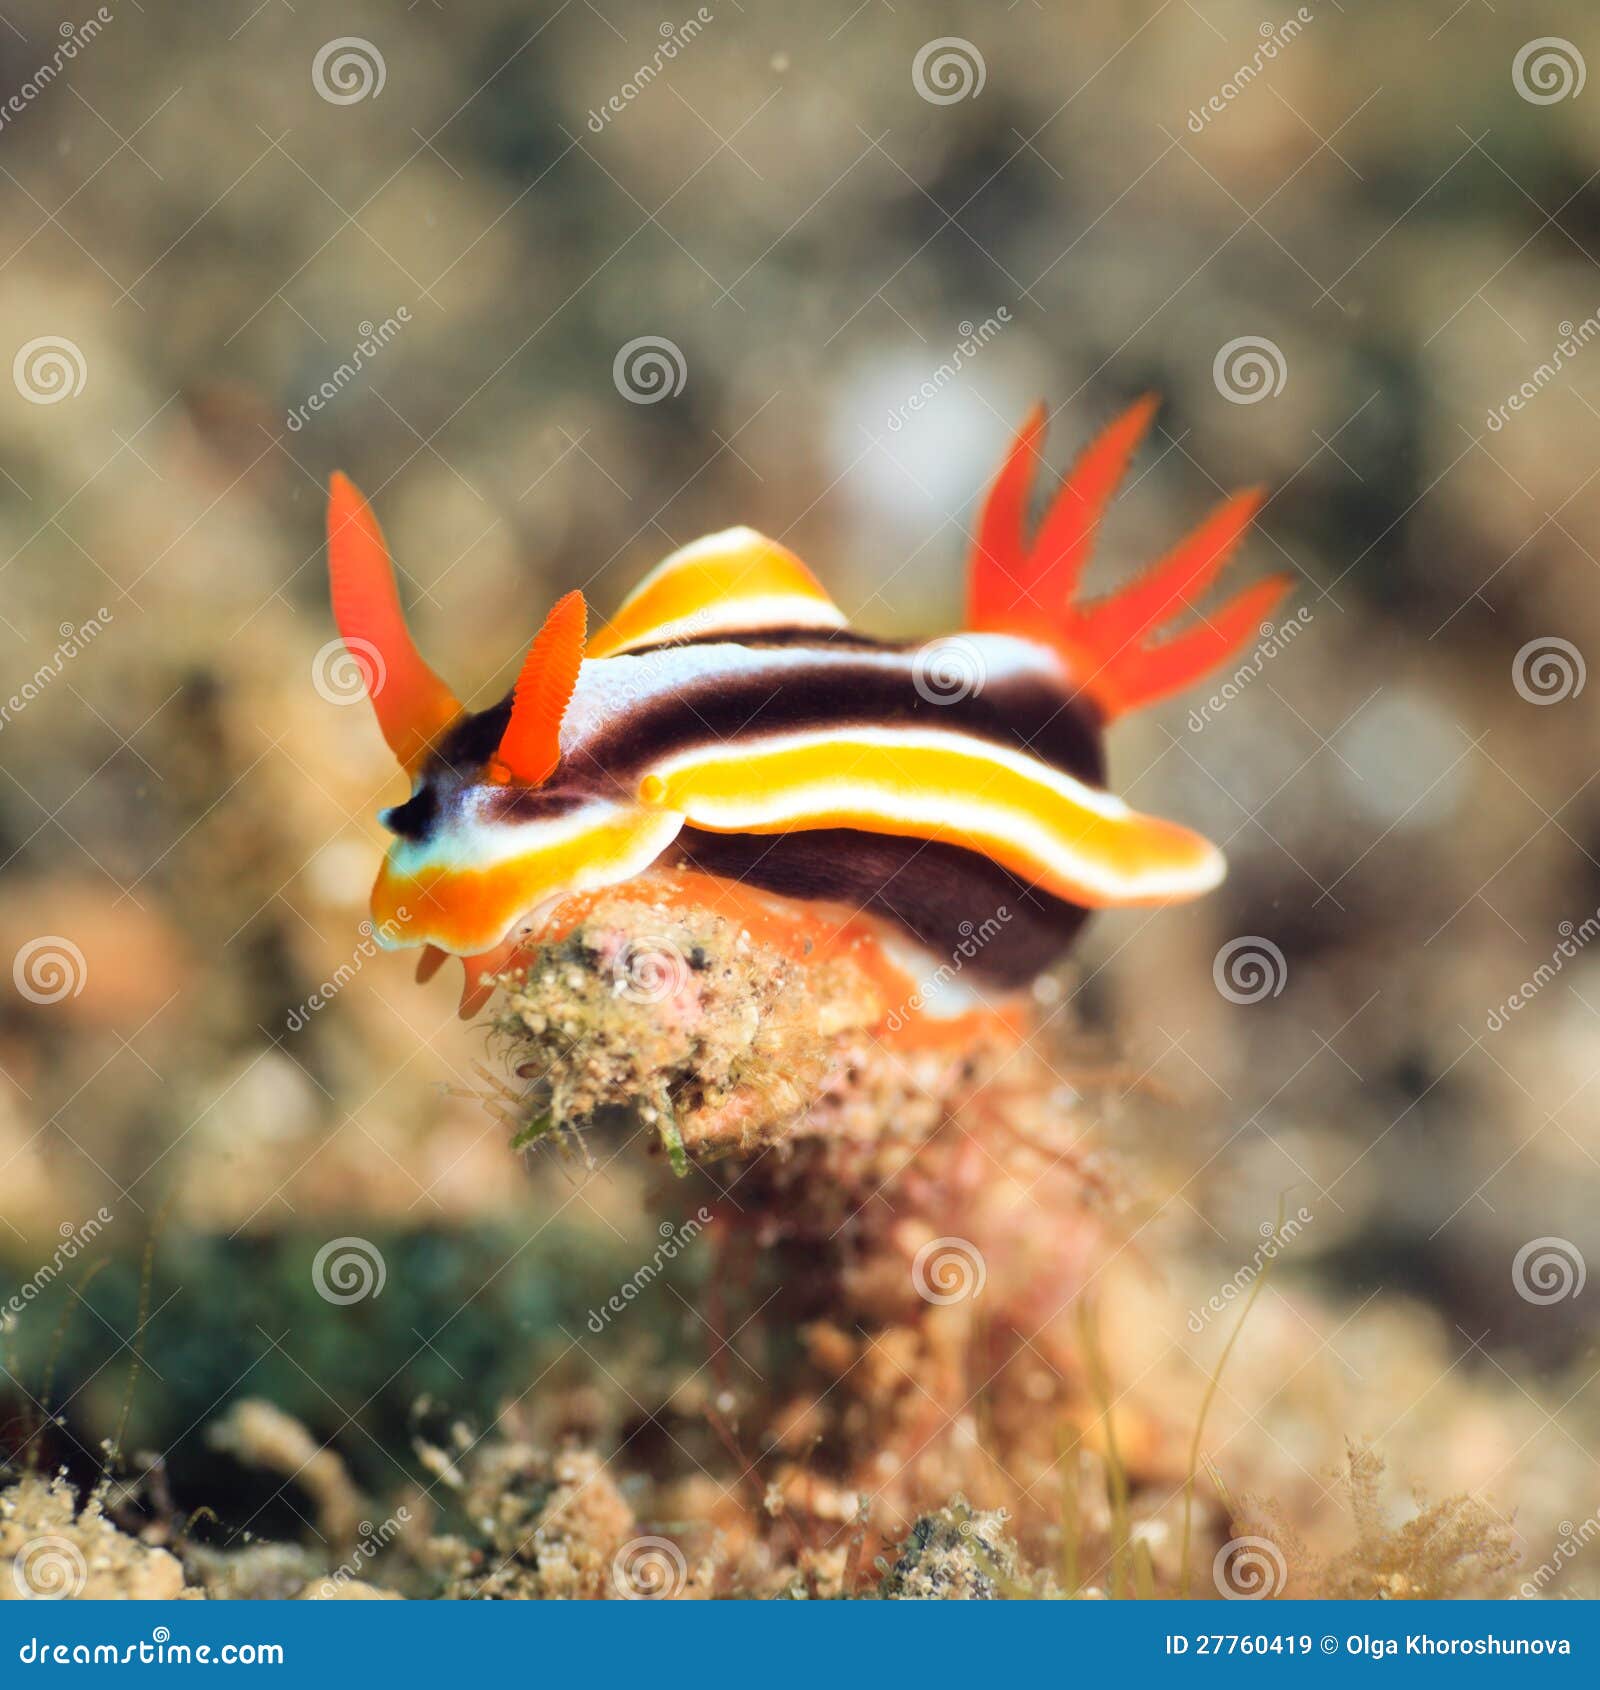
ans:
(413, 705)
(728, 722)
(530, 747)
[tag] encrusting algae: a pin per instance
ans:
(865, 1189)
(1455, 1548)
(728, 1031)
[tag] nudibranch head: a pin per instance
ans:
(476, 861)
(490, 833)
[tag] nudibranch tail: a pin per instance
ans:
(1016, 586)
(413, 705)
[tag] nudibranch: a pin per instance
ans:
(729, 723)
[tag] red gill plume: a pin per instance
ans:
(1016, 586)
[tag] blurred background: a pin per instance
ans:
(565, 286)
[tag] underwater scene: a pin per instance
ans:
(799, 803)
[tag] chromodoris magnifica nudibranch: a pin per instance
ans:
(727, 721)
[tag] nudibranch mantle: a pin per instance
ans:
(729, 721)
